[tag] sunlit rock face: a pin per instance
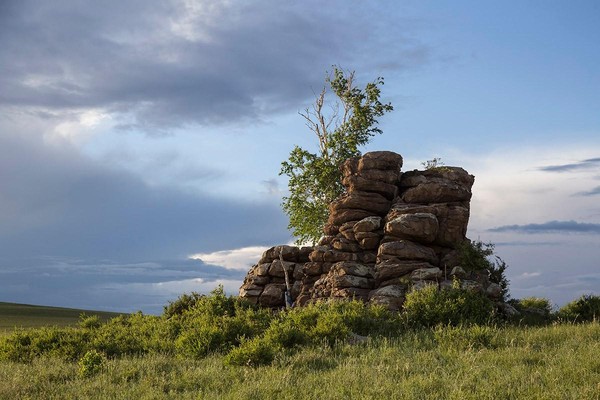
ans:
(389, 233)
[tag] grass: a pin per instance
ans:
(14, 315)
(560, 361)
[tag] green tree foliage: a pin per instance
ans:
(341, 128)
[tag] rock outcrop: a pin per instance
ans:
(389, 233)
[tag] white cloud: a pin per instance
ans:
(80, 126)
(241, 258)
(510, 188)
(526, 275)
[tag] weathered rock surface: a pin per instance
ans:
(407, 250)
(426, 274)
(389, 234)
(368, 224)
(373, 202)
(420, 227)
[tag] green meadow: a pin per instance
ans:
(553, 362)
(14, 315)
(444, 345)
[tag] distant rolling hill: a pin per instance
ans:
(28, 316)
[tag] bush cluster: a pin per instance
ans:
(212, 324)
(454, 306)
(321, 324)
(479, 256)
(91, 363)
(248, 335)
(584, 309)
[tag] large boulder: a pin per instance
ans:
(452, 218)
(352, 268)
(368, 240)
(452, 174)
(407, 250)
(420, 227)
(373, 202)
(391, 297)
(343, 215)
(355, 183)
(380, 160)
(346, 281)
(426, 274)
(273, 295)
(368, 224)
(390, 269)
(344, 244)
(436, 185)
(277, 267)
(436, 192)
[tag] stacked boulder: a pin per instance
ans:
(391, 232)
(354, 230)
(265, 282)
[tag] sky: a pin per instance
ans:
(140, 142)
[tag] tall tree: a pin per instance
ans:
(341, 127)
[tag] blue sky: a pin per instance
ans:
(140, 142)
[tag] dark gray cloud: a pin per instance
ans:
(594, 192)
(72, 229)
(54, 202)
(522, 243)
(167, 65)
(550, 227)
(580, 165)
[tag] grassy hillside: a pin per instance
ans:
(223, 347)
(554, 362)
(28, 316)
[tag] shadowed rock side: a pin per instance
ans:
(391, 232)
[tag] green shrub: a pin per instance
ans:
(539, 303)
(313, 325)
(182, 304)
(16, 347)
(430, 307)
(217, 324)
(586, 308)
(534, 311)
(253, 352)
(475, 256)
(91, 363)
(133, 334)
(287, 333)
(64, 343)
(335, 320)
(89, 321)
